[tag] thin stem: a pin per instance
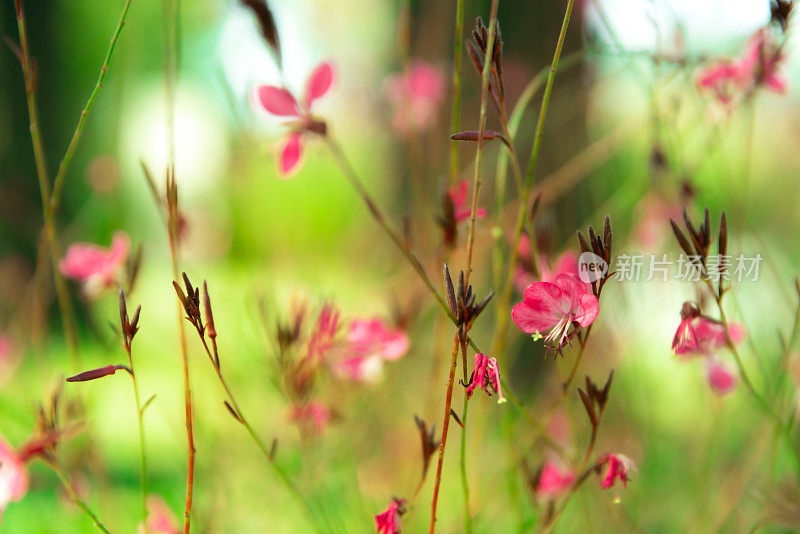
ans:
(62, 168)
(62, 292)
(74, 496)
(476, 179)
(464, 479)
(445, 427)
(526, 192)
(458, 45)
(142, 456)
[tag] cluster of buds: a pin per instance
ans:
(128, 326)
(429, 443)
(780, 11)
(602, 249)
(594, 399)
(477, 52)
(191, 305)
(462, 302)
(698, 244)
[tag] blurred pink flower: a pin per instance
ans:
(566, 263)
(388, 521)
(160, 519)
(553, 307)
(757, 66)
(698, 335)
(416, 96)
(325, 329)
(370, 343)
(313, 415)
(720, 377)
(553, 481)
(654, 215)
(462, 205)
(617, 466)
(96, 266)
(13, 475)
(279, 102)
(485, 375)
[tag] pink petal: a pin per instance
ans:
(553, 481)
(777, 82)
(567, 263)
(290, 156)
(319, 82)
(13, 475)
(588, 309)
(541, 309)
(160, 519)
(277, 100)
(720, 377)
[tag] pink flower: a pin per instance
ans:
(757, 66)
(370, 343)
(654, 215)
(314, 416)
(552, 481)
(160, 519)
(388, 521)
(462, 205)
(566, 263)
(13, 475)
(96, 266)
(697, 334)
(617, 466)
(416, 96)
(485, 375)
(720, 377)
(279, 102)
(323, 334)
(554, 307)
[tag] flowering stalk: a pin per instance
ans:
(505, 296)
(62, 292)
(190, 304)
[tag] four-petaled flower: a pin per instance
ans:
(462, 204)
(370, 342)
(485, 375)
(700, 335)
(95, 266)
(280, 102)
(416, 95)
(757, 66)
(553, 481)
(388, 521)
(554, 307)
(617, 466)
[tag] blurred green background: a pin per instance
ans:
(705, 463)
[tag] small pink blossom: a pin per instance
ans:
(462, 204)
(416, 96)
(160, 519)
(721, 377)
(486, 376)
(13, 475)
(313, 415)
(553, 481)
(757, 66)
(388, 521)
(566, 263)
(96, 266)
(369, 343)
(618, 467)
(280, 102)
(697, 334)
(554, 307)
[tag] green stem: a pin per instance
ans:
(458, 45)
(464, 480)
(74, 497)
(62, 168)
(142, 455)
(62, 292)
